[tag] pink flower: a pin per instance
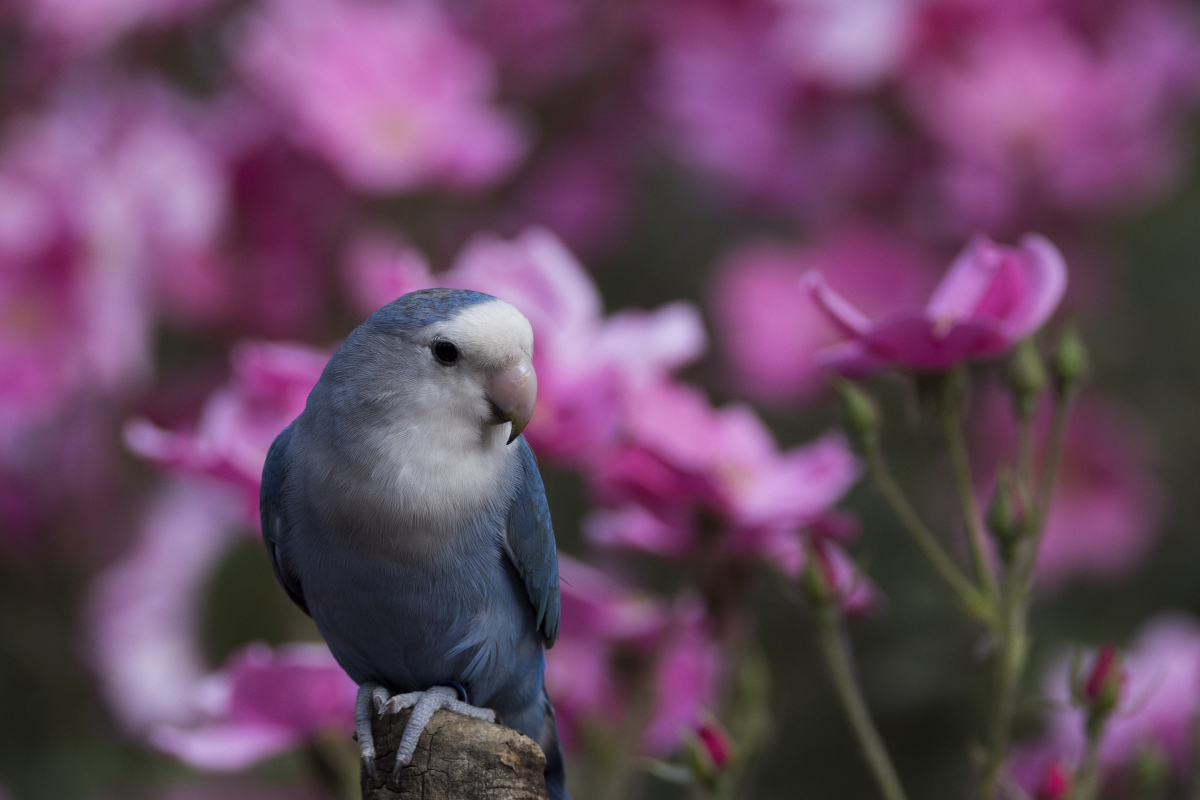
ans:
(269, 387)
(144, 612)
(389, 93)
(262, 704)
(378, 269)
(843, 44)
(725, 85)
(607, 628)
(678, 457)
(853, 591)
(587, 364)
(688, 671)
(90, 24)
(1108, 501)
(992, 297)
(1158, 706)
(1079, 109)
(601, 619)
(101, 198)
(769, 328)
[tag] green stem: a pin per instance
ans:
(1014, 599)
(1010, 665)
(1025, 474)
(956, 443)
(839, 660)
(1087, 778)
(1045, 489)
(976, 603)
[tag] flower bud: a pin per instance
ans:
(1004, 517)
(1100, 692)
(709, 751)
(860, 416)
(716, 744)
(1070, 360)
(1055, 785)
(1103, 687)
(1026, 377)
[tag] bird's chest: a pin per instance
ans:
(420, 613)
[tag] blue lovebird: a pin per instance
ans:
(404, 512)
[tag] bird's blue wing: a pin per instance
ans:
(531, 545)
(274, 521)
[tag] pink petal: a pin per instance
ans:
(1046, 282)
(378, 270)
(845, 317)
(647, 344)
(799, 485)
(227, 746)
(919, 344)
(634, 527)
(967, 282)
(535, 273)
(851, 359)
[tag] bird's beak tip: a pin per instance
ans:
(513, 393)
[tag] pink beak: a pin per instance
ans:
(512, 393)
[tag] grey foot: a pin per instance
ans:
(362, 725)
(423, 705)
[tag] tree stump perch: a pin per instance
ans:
(457, 758)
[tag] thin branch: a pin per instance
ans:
(960, 459)
(976, 603)
(839, 660)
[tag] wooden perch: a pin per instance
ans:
(457, 758)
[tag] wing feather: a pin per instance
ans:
(274, 523)
(531, 545)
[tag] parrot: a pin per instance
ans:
(404, 512)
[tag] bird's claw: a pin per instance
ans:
(362, 726)
(423, 705)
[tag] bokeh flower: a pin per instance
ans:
(681, 466)
(1051, 103)
(1158, 707)
(992, 297)
(263, 703)
(268, 389)
(102, 196)
(390, 94)
(144, 613)
(725, 88)
(601, 620)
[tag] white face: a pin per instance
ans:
(491, 335)
(447, 382)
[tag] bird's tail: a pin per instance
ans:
(556, 775)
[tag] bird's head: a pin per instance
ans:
(455, 355)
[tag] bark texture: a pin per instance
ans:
(457, 758)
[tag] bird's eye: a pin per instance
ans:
(445, 352)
